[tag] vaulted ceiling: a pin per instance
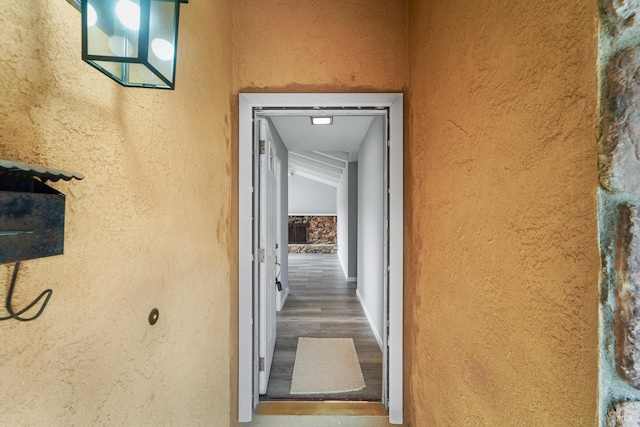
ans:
(321, 152)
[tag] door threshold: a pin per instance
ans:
(328, 407)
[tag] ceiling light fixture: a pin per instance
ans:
(134, 42)
(328, 120)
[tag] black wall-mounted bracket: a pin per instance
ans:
(16, 315)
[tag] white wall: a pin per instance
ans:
(309, 197)
(348, 221)
(343, 221)
(352, 273)
(283, 155)
(370, 226)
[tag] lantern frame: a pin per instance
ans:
(161, 80)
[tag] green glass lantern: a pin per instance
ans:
(132, 41)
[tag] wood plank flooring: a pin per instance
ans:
(322, 304)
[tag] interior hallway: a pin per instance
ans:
(322, 304)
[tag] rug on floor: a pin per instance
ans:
(326, 365)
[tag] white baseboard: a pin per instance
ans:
(282, 297)
(352, 279)
(366, 313)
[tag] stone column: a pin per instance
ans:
(619, 218)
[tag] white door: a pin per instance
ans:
(280, 263)
(267, 260)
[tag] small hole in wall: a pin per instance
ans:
(153, 316)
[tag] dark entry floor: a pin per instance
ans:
(322, 304)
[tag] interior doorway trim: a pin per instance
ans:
(247, 393)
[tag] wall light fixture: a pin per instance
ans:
(132, 41)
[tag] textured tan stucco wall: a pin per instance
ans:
(502, 281)
(148, 227)
(306, 46)
(500, 177)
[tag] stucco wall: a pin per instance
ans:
(502, 261)
(148, 227)
(501, 257)
(302, 46)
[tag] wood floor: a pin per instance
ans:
(322, 304)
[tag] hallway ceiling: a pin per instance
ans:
(320, 152)
(345, 134)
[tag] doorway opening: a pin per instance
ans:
(255, 109)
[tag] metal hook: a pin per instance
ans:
(12, 314)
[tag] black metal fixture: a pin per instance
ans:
(18, 315)
(31, 223)
(134, 42)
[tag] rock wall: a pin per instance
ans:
(322, 229)
(322, 234)
(313, 249)
(619, 166)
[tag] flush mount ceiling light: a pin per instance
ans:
(132, 41)
(328, 120)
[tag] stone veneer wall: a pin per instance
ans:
(322, 229)
(313, 249)
(619, 165)
(322, 234)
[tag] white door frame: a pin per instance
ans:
(247, 393)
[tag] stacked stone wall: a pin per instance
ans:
(313, 249)
(322, 234)
(619, 216)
